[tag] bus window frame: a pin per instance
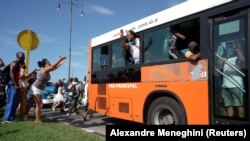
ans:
(92, 56)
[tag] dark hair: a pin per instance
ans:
(133, 33)
(175, 28)
(23, 55)
(75, 79)
(24, 66)
(60, 84)
(42, 63)
(194, 47)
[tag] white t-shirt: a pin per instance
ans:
(135, 51)
(230, 72)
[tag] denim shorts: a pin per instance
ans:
(232, 97)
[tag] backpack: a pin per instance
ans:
(72, 91)
(4, 75)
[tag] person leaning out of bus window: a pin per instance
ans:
(193, 51)
(233, 96)
(133, 45)
(175, 36)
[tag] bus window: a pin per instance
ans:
(181, 35)
(156, 46)
(100, 58)
(230, 89)
(118, 55)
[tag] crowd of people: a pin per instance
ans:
(16, 82)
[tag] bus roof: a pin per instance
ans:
(181, 10)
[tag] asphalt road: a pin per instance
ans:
(97, 124)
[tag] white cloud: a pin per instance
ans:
(79, 51)
(102, 10)
(14, 32)
(47, 39)
(8, 40)
(12, 41)
(77, 65)
(76, 53)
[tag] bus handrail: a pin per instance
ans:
(231, 66)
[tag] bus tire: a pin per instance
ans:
(166, 111)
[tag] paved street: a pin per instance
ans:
(97, 124)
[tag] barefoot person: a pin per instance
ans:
(41, 81)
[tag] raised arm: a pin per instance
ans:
(54, 66)
(240, 55)
(241, 59)
(181, 36)
(24, 76)
(194, 57)
(124, 45)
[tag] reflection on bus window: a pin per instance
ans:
(101, 58)
(230, 69)
(118, 56)
(156, 46)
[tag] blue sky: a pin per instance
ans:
(52, 27)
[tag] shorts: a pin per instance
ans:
(232, 97)
(35, 90)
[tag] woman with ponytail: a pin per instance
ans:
(41, 81)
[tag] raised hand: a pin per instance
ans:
(121, 33)
(36, 69)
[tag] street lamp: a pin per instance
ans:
(77, 3)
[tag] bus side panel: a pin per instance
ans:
(91, 95)
(98, 99)
(194, 97)
(186, 80)
(185, 71)
(127, 102)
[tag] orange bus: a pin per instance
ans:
(164, 90)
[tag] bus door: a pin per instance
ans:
(230, 69)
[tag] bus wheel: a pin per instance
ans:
(165, 111)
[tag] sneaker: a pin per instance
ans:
(6, 121)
